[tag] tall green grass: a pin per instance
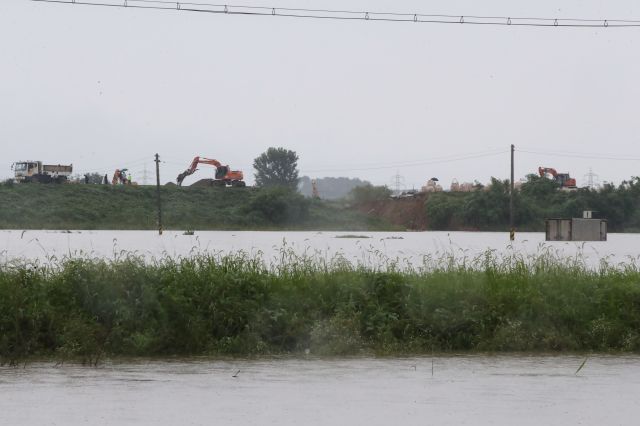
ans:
(83, 308)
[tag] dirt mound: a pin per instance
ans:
(408, 212)
(203, 183)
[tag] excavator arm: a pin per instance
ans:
(543, 171)
(194, 167)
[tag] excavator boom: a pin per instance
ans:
(543, 171)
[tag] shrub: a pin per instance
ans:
(279, 205)
(368, 193)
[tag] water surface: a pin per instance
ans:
(473, 390)
(370, 248)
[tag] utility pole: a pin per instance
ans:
(158, 194)
(512, 229)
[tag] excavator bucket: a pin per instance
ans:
(181, 177)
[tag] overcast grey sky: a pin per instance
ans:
(108, 87)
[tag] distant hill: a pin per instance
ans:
(330, 188)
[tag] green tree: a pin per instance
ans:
(368, 193)
(537, 199)
(278, 205)
(443, 210)
(93, 178)
(539, 188)
(489, 208)
(277, 167)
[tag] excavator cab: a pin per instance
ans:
(566, 181)
(221, 172)
(562, 178)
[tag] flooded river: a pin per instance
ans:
(358, 247)
(456, 390)
(451, 390)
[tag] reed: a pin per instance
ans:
(208, 304)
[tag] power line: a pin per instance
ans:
(591, 156)
(403, 163)
(127, 163)
(441, 160)
(390, 164)
(353, 15)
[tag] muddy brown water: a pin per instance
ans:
(452, 390)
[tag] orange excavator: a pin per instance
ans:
(224, 175)
(563, 179)
(120, 177)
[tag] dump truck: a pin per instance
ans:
(36, 171)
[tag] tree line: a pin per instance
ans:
(537, 199)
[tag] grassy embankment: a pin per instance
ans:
(107, 207)
(88, 309)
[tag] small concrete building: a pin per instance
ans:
(577, 229)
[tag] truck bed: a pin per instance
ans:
(57, 168)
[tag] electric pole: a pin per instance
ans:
(512, 230)
(157, 160)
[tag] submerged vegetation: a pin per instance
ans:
(85, 309)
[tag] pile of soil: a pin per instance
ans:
(203, 183)
(408, 212)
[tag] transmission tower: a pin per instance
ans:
(593, 180)
(397, 183)
(145, 175)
